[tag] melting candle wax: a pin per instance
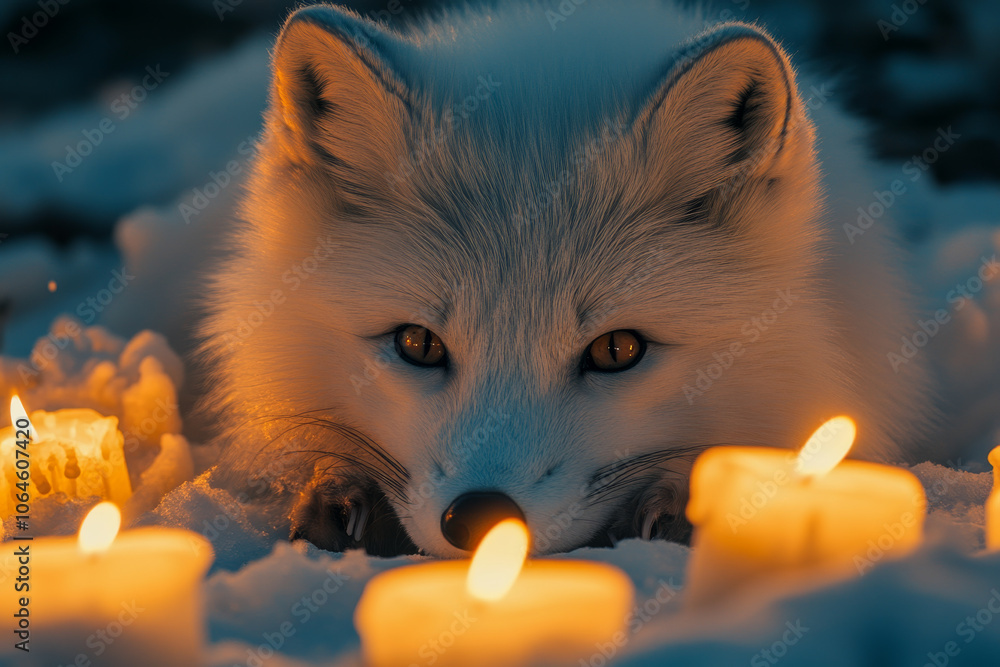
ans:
(76, 452)
(142, 587)
(499, 611)
(761, 513)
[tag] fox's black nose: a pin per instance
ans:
(472, 514)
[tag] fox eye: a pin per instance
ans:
(614, 351)
(420, 346)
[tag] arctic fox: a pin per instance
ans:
(514, 261)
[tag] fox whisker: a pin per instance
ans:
(642, 468)
(367, 457)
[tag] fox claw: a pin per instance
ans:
(648, 526)
(357, 520)
(344, 516)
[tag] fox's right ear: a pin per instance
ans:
(725, 116)
(335, 99)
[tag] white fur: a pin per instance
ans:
(459, 236)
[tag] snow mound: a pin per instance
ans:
(291, 604)
(135, 380)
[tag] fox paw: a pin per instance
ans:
(660, 516)
(337, 517)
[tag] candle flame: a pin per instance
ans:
(826, 447)
(100, 527)
(17, 410)
(498, 560)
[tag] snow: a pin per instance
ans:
(145, 149)
(176, 144)
(298, 601)
(236, 537)
(136, 381)
(78, 366)
(901, 613)
(272, 602)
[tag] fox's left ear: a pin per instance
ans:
(726, 113)
(335, 98)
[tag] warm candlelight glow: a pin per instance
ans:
(826, 447)
(762, 513)
(100, 528)
(496, 611)
(498, 560)
(76, 452)
(136, 602)
(17, 410)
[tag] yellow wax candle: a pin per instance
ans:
(97, 599)
(993, 505)
(76, 452)
(761, 512)
(448, 613)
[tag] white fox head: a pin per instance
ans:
(493, 256)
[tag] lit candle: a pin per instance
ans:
(98, 599)
(492, 612)
(76, 452)
(993, 505)
(762, 512)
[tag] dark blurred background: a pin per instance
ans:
(125, 128)
(907, 66)
(179, 87)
